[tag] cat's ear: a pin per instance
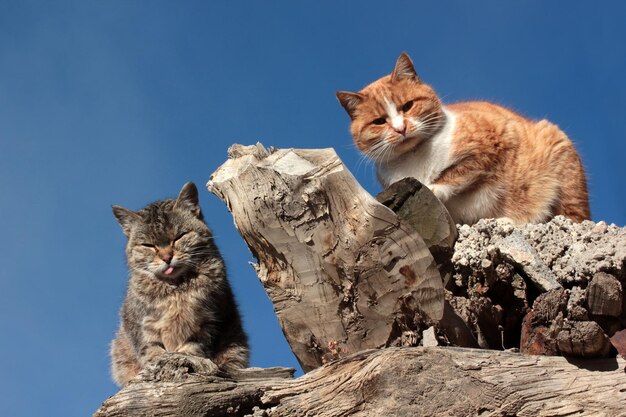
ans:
(404, 69)
(126, 218)
(188, 199)
(350, 101)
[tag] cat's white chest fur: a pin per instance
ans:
(424, 163)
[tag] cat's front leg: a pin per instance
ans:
(152, 345)
(443, 192)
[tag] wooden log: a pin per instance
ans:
(343, 271)
(390, 382)
(414, 203)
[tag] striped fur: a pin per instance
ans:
(178, 298)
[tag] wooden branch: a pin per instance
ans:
(390, 382)
(343, 271)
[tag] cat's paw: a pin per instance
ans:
(177, 366)
(152, 354)
(194, 349)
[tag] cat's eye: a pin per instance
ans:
(407, 106)
(180, 235)
(379, 121)
(148, 245)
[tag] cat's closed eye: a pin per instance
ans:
(180, 236)
(379, 121)
(148, 245)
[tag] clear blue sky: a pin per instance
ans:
(122, 102)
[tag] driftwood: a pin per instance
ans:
(343, 271)
(387, 382)
(347, 274)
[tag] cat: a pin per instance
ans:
(178, 298)
(480, 159)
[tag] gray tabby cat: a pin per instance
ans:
(178, 298)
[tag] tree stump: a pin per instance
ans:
(343, 271)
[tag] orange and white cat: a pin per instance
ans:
(480, 159)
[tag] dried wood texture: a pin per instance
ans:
(344, 273)
(390, 382)
(414, 203)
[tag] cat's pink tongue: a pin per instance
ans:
(169, 271)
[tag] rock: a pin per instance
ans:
(583, 339)
(542, 325)
(520, 252)
(429, 337)
(570, 250)
(618, 340)
(575, 309)
(604, 295)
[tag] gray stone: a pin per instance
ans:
(429, 337)
(517, 249)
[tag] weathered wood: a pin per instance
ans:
(343, 271)
(179, 385)
(414, 203)
(604, 295)
(392, 382)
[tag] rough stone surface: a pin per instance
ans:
(542, 325)
(521, 254)
(429, 337)
(501, 272)
(583, 339)
(604, 295)
(574, 252)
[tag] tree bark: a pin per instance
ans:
(388, 382)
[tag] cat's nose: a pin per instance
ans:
(398, 125)
(166, 255)
(401, 129)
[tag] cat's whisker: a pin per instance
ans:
(378, 153)
(363, 160)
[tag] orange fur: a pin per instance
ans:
(480, 159)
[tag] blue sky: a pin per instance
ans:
(122, 102)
